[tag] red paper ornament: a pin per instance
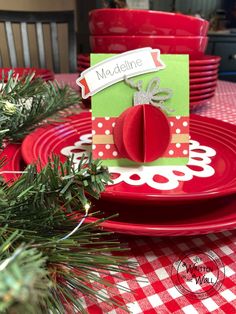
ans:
(142, 133)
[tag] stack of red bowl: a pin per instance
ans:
(119, 30)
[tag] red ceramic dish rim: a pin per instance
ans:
(202, 97)
(39, 70)
(149, 36)
(206, 59)
(156, 229)
(147, 12)
(203, 73)
(202, 91)
(194, 104)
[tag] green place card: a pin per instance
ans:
(109, 103)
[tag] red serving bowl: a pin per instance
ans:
(194, 46)
(144, 22)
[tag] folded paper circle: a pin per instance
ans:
(142, 133)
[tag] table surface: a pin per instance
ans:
(154, 290)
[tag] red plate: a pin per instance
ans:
(203, 85)
(218, 135)
(84, 57)
(208, 79)
(43, 73)
(81, 69)
(83, 64)
(184, 220)
(202, 68)
(200, 97)
(202, 91)
(203, 73)
(12, 153)
(206, 59)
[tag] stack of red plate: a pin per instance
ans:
(45, 74)
(83, 62)
(203, 73)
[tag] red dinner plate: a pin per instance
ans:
(43, 73)
(203, 73)
(202, 91)
(208, 79)
(203, 85)
(206, 59)
(84, 56)
(83, 64)
(202, 68)
(185, 220)
(12, 154)
(203, 96)
(73, 136)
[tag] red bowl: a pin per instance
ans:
(144, 22)
(194, 46)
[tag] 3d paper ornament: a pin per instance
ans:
(142, 132)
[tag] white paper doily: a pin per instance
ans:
(198, 166)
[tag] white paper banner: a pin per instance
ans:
(114, 69)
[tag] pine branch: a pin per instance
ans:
(27, 101)
(38, 204)
(23, 278)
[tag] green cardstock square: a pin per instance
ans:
(113, 100)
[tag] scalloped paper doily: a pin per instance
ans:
(198, 166)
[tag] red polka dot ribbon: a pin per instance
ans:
(104, 145)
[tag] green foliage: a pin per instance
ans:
(27, 101)
(23, 278)
(47, 207)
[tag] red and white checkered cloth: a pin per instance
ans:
(154, 291)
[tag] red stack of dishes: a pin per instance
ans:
(119, 30)
(45, 74)
(203, 79)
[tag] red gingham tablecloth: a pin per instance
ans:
(154, 291)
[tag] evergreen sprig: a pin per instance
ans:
(27, 101)
(40, 204)
(24, 280)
